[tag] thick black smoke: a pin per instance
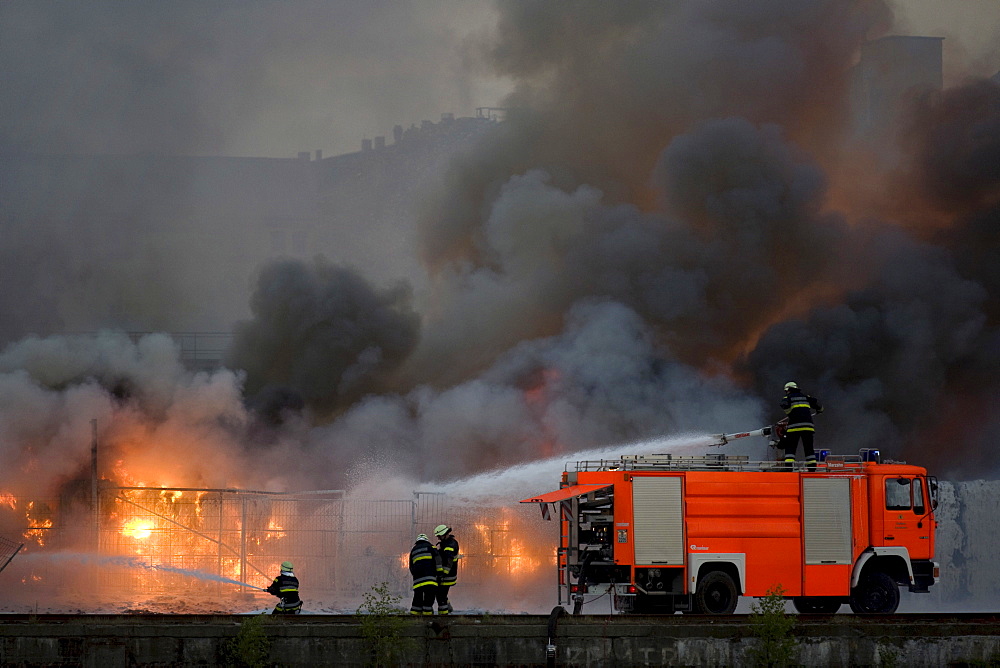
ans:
(321, 337)
(674, 159)
(651, 243)
(885, 357)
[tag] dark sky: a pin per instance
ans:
(233, 78)
(271, 79)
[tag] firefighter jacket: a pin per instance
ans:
(799, 406)
(285, 587)
(448, 547)
(425, 564)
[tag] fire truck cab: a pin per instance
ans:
(663, 533)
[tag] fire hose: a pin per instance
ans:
(550, 647)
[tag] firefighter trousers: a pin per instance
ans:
(444, 606)
(287, 608)
(423, 600)
(791, 441)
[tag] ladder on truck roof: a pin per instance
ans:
(668, 462)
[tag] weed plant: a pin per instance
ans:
(772, 630)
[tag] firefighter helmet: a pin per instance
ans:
(287, 566)
(422, 536)
(791, 386)
(441, 530)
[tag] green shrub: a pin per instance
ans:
(772, 630)
(382, 624)
(250, 646)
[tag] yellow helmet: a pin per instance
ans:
(441, 530)
(287, 566)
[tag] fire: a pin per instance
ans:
(520, 562)
(504, 548)
(274, 531)
(8, 499)
(136, 528)
(37, 526)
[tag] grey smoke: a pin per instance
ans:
(603, 379)
(660, 205)
(324, 333)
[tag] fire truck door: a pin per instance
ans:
(905, 508)
(658, 527)
(826, 534)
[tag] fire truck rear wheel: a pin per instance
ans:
(816, 605)
(876, 594)
(716, 594)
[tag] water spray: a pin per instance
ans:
(132, 562)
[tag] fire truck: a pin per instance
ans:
(668, 533)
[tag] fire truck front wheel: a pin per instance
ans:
(716, 594)
(876, 594)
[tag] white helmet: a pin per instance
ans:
(422, 536)
(441, 530)
(790, 386)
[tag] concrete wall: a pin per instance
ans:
(314, 640)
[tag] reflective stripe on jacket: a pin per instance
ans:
(448, 548)
(285, 587)
(799, 408)
(425, 563)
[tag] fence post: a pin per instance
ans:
(243, 541)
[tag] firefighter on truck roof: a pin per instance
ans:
(286, 588)
(448, 548)
(425, 567)
(799, 407)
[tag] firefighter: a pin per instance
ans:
(448, 549)
(425, 567)
(799, 408)
(286, 588)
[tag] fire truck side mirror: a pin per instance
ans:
(932, 487)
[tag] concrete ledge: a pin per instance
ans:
(321, 640)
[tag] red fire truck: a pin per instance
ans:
(665, 533)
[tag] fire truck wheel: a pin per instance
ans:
(876, 594)
(809, 605)
(716, 594)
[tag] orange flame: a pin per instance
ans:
(7, 498)
(36, 526)
(138, 528)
